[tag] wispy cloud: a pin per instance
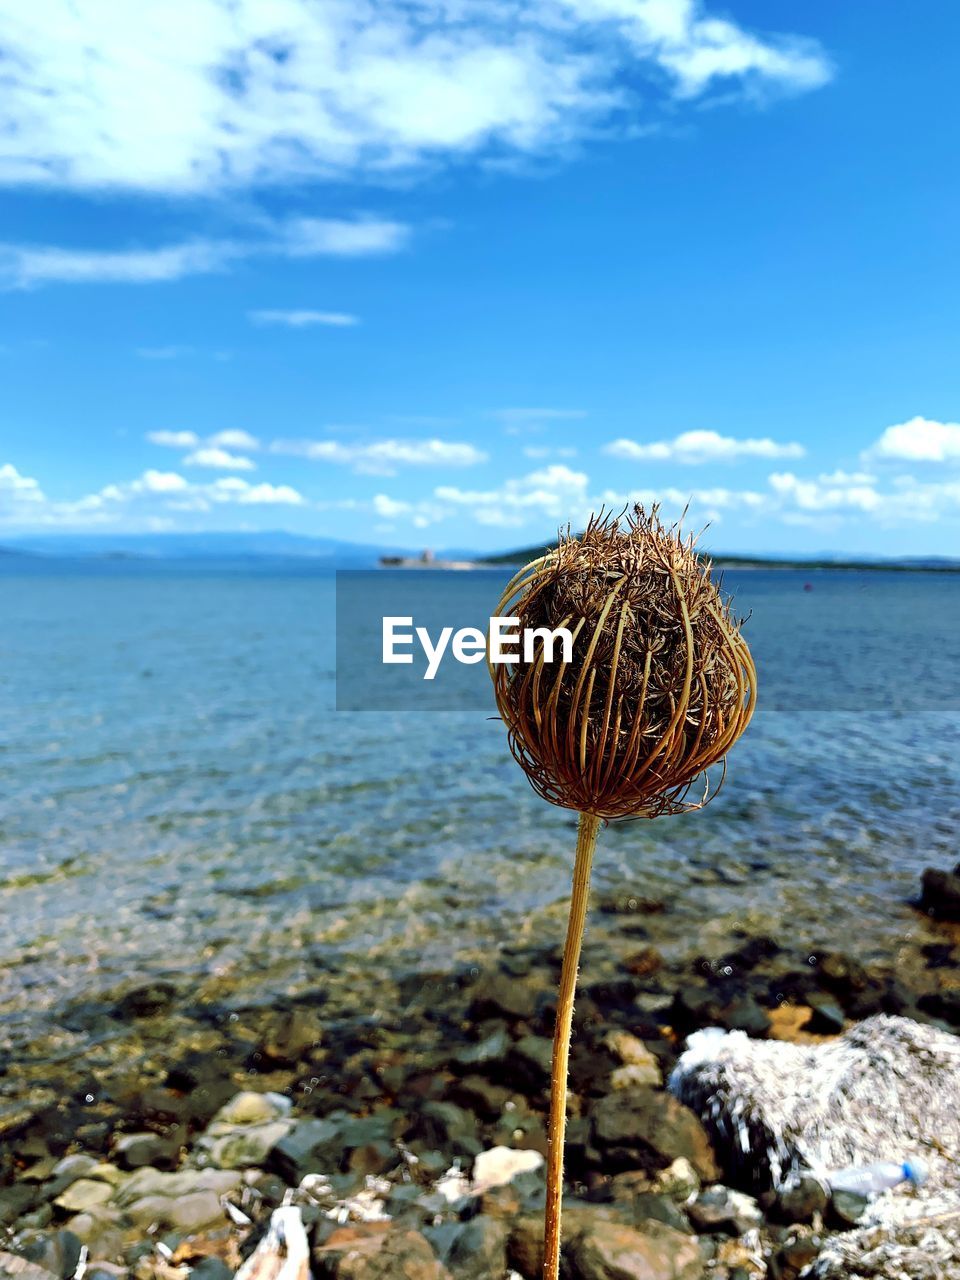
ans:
(918, 440)
(219, 459)
(174, 439)
(204, 95)
(234, 438)
(28, 266)
(701, 446)
(304, 319)
(217, 452)
(383, 457)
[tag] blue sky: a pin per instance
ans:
(454, 272)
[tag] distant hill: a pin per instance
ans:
(209, 548)
(331, 552)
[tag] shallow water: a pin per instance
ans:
(178, 795)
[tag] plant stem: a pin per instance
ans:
(586, 843)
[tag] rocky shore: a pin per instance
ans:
(157, 1127)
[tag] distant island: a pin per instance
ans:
(260, 549)
(427, 560)
(906, 564)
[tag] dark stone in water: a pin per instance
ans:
(481, 1096)
(644, 963)
(940, 955)
(527, 1064)
(498, 995)
(631, 904)
(447, 1126)
(288, 1037)
(16, 1201)
(940, 895)
(136, 1150)
(944, 1005)
(492, 1047)
(338, 1143)
(826, 1019)
(725, 1005)
(841, 973)
(752, 953)
(145, 1001)
(645, 1128)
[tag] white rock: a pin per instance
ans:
(500, 1165)
(250, 1107)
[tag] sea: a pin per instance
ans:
(180, 797)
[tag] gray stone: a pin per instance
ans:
(479, 1250)
(137, 1150)
(720, 1209)
(83, 1194)
(799, 1201)
(610, 1251)
(243, 1147)
(376, 1251)
(151, 1182)
(186, 1213)
(847, 1208)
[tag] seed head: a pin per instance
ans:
(661, 683)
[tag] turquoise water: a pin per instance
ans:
(178, 795)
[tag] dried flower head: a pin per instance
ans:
(661, 683)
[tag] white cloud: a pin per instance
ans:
(919, 440)
(271, 495)
(701, 446)
(389, 508)
(195, 96)
(155, 499)
(28, 266)
(809, 495)
(304, 319)
(17, 491)
(174, 439)
(234, 439)
(382, 457)
(555, 492)
(220, 459)
(154, 482)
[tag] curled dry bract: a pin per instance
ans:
(661, 683)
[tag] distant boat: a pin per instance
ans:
(425, 560)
